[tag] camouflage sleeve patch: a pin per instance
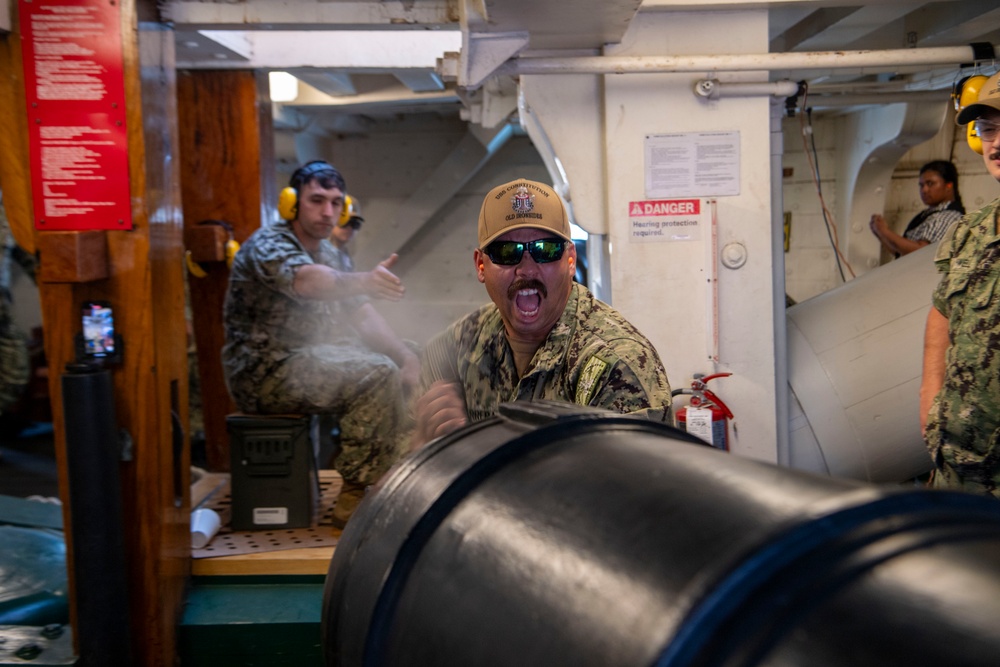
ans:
(587, 383)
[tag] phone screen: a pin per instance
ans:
(98, 330)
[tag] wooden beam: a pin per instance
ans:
(227, 166)
(144, 283)
(161, 494)
(15, 179)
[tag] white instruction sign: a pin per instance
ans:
(699, 423)
(693, 164)
(665, 220)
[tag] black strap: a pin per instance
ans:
(919, 218)
(981, 51)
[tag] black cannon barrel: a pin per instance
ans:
(555, 535)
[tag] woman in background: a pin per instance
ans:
(939, 191)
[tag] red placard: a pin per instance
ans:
(75, 90)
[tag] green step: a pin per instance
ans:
(252, 621)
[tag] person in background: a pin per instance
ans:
(303, 337)
(343, 233)
(960, 387)
(939, 192)
(15, 366)
(542, 337)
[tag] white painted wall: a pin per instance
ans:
(810, 268)
(664, 287)
(576, 138)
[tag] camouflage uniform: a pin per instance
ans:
(592, 356)
(964, 421)
(284, 353)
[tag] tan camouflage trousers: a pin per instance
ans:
(362, 389)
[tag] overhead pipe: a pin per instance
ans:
(871, 61)
(714, 89)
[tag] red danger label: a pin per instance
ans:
(665, 207)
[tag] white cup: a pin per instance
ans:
(204, 525)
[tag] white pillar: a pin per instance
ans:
(664, 287)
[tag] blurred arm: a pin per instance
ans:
(379, 336)
(935, 345)
(318, 281)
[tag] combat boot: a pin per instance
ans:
(351, 495)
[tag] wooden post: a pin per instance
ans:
(227, 173)
(144, 283)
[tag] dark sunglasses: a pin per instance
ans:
(509, 253)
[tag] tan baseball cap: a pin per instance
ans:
(519, 204)
(989, 98)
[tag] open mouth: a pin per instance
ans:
(527, 295)
(528, 302)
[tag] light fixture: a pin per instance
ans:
(284, 86)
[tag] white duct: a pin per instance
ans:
(855, 356)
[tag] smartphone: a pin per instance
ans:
(98, 330)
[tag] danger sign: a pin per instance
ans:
(665, 220)
(665, 207)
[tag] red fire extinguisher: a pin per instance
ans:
(706, 416)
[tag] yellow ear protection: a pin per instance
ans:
(351, 210)
(288, 203)
(194, 267)
(232, 247)
(972, 138)
(966, 92)
(288, 198)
